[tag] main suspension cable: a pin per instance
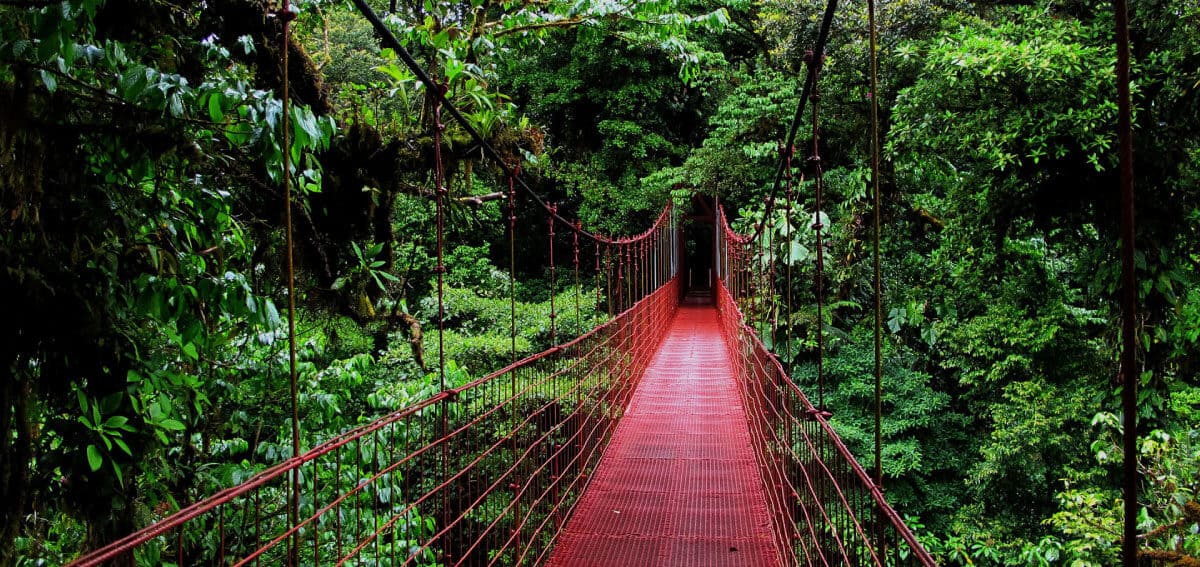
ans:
(578, 285)
(817, 58)
(788, 196)
(1129, 375)
(434, 90)
(512, 266)
(810, 83)
(286, 16)
(874, 46)
(440, 193)
(553, 278)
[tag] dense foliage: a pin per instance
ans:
(144, 351)
(1001, 273)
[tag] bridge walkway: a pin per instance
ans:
(679, 484)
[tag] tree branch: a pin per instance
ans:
(479, 200)
(1191, 515)
(928, 216)
(1173, 557)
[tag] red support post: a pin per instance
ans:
(553, 210)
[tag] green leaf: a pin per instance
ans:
(271, 314)
(116, 421)
(214, 108)
(115, 54)
(399, 74)
(798, 253)
(247, 43)
(441, 40)
(94, 458)
(133, 83)
(156, 411)
(171, 425)
(239, 133)
(49, 80)
(123, 446)
(48, 47)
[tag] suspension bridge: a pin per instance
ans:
(667, 435)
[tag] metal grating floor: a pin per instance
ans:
(679, 484)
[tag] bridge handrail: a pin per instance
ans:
(656, 274)
(876, 493)
(737, 262)
(192, 511)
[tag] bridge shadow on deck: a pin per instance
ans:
(679, 484)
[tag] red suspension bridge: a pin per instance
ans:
(667, 435)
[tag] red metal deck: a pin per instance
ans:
(679, 484)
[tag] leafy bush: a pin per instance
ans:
(470, 313)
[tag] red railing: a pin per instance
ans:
(483, 474)
(826, 508)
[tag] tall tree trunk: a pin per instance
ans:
(16, 451)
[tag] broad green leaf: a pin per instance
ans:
(115, 422)
(49, 80)
(172, 425)
(95, 460)
(214, 108)
(798, 253)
